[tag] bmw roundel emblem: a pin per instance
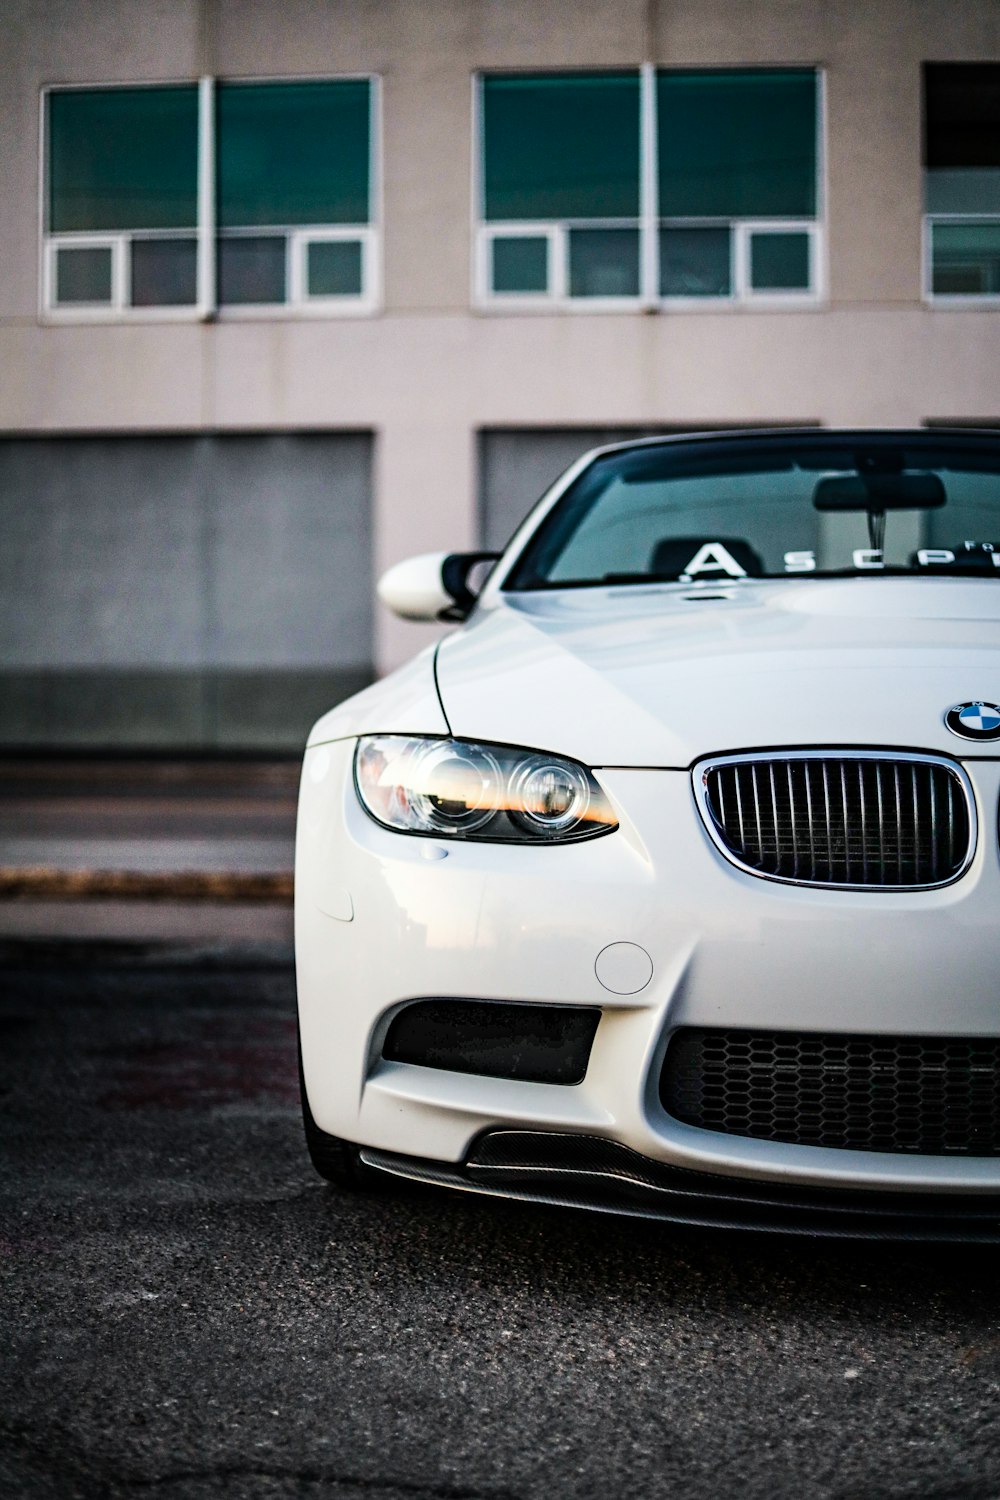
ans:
(974, 721)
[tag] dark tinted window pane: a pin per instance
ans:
(334, 268)
(521, 264)
(604, 263)
(779, 262)
(252, 269)
(962, 190)
(561, 147)
(123, 158)
(962, 115)
(164, 273)
(966, 260)
(292, 153)
(83, 274)
(695, 261)
(737, 144)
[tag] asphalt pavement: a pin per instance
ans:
(188, 1313)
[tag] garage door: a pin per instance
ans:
(202, 592)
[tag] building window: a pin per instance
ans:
(736, 171)
(561, 174)
(122, 199)
(294, 190)
(191, 197)
(617, 189)
(962, 181)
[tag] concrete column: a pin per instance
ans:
(425, 501)
(874, 169)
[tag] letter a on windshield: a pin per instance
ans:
(713, 557)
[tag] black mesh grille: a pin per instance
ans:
(928, 1095)
(842, 819)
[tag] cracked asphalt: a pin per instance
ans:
(187, 1313)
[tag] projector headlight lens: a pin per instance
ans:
(551, 796)
(449, 788)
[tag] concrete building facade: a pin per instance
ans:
(198, 489)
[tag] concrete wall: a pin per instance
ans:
(426, 373)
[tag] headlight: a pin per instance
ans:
(462, 790)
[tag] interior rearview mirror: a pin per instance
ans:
(879, 492)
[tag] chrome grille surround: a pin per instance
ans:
(841, 819)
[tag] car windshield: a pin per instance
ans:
(715, 510)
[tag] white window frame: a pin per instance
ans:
(952, 300)
(300, 240)
(649, 224)
(297, 303)
(297, 238)
(557, 232)
(743, 232)
(519, 229)
(741, 292)
(120, 243)
(207, 292)
(85, 241)
(118, 309)
(206, 307)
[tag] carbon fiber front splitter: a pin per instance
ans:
(580, 1171)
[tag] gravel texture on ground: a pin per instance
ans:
(188, 1313)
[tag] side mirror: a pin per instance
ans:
(434, 586)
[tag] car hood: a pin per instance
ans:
(660, 676)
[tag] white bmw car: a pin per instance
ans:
(669, 884)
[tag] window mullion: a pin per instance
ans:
(741, 261)
(207, 300)
(559, 262)
(649, 212)
(295, 277)
(121, 277)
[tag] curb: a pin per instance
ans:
(56, 952)
(41, 882)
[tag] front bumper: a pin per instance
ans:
(579, 1171)
(382, 919)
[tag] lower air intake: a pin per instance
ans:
(495, 1038)
(928, 1096)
